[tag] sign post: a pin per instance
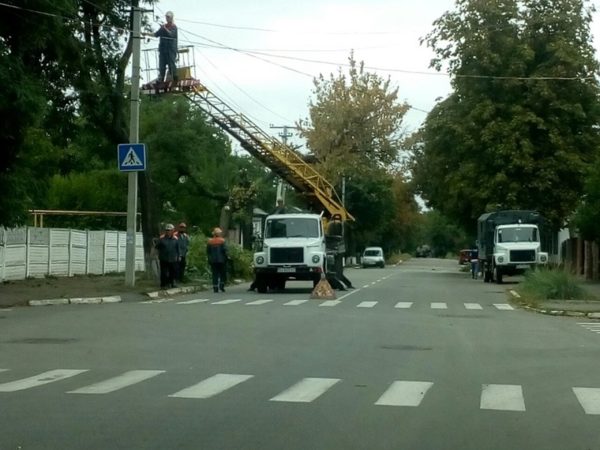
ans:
(132, 160)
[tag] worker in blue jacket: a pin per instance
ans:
(168, 256)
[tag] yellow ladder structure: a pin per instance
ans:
(280, 158)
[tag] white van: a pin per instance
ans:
(373, 257)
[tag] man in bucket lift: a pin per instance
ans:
(167, 48)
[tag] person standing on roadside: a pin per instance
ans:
(184, 245)
(474, 257)
(168, 256)
(216, 252)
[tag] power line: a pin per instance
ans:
(270, 30)
(255, 55)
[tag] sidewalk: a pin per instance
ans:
(576, 308)
(81, 289)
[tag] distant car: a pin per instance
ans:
(464, 257)
(373, 257)
(423, 251)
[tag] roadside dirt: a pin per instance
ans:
(14, 293)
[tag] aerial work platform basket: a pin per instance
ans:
(186, 79)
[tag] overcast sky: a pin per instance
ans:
(275, 86)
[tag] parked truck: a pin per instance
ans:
(509, 243)
(293, 249)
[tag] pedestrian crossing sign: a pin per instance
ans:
(132, 157)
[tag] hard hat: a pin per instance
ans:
(217, 231)
(169, 14)
(169, 226)
(182, 224)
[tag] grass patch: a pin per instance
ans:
(551, 284)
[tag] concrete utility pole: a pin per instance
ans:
(283, 135)
(134, 137)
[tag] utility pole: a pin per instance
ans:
(134, 137)
(283, 135)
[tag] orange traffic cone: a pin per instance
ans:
(323, 290)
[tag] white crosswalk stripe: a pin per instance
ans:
(366, 304)
(589, 399)
(473, 306)
(212, 386)
(193, 302)
(306, 391)
(38, 380)
(295, 302)
(330, 303)
(403, 305)
(502, 397)
(227, 302)
(594, 327)
(405, 393)
(503, 306)
(160, 300)
(119, 382)
(259, 302)
(439, 305)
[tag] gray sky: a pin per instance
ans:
(383, 33)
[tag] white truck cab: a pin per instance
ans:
(293, 248)
(509, 243)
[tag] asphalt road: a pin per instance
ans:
(419, 356)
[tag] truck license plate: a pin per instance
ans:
(286, 269)
(522, 266)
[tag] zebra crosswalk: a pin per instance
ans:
(365, 304)
(396, 393)
(594, 327)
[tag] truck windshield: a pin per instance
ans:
(292, 227)
(517, 235)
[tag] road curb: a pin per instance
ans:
(75, 301)
(556, 312)
(174, 291)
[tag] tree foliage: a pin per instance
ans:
(587, 216)
(64, 75)
(442, 235)
(354, 131)
(355, 122)
(520, 127)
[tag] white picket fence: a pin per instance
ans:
(38, 252)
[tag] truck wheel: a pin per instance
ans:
(498, 274)
(261, 285)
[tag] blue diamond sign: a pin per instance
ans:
(132, 157)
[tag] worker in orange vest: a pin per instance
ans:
(216, 252)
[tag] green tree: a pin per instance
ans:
(520, 127)
(190, 166)
(65, 66)
(79, 191)
(354, 131)
(587, 216)
(442, 235)
(355, 122)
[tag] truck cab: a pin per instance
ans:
(509, 243)
(293, 248)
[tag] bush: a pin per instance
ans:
(395, 258)
(240, 265)
(549, 284)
